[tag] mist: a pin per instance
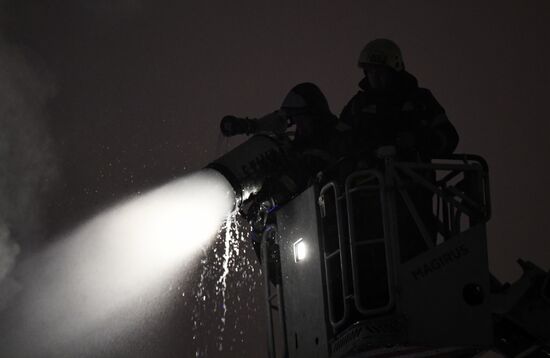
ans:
(27, 162)
(111, 274)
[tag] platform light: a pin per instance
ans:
(300, 250)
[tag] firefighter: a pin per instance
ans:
(312, 143)
(390, 108)
(306, 108)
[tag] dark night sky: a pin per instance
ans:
(140, 89)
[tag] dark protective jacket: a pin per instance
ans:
(407, 117)
(312, 151)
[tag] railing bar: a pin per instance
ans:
(365, 187)
(443, 230)
(463, 196)
(417, 219)
(338, 253)
(366, 242)
(435, 189)
(453, 174)
(265, 268)
(462, 167)
(355, 272)
(332, 254)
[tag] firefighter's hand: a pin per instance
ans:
(250, 208)
(255, 210)
(253, 206)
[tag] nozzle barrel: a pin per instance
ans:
(274, 123)
(231, 125)
(248, 166)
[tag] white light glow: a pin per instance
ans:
(122, 260)
(300, 250)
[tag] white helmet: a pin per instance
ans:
(382, 52)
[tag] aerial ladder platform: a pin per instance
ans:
(391, 261)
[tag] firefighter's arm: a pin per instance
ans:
(437, 134)
(442, 136)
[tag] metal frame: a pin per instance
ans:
(270, 296)
(414, 212)
(385, 240)
(546, 288)
(452, 204)
(342, 253)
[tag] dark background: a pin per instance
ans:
(137, 89)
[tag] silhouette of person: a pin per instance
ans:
(390, 109)
(306, 108)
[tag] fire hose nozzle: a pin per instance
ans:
(273, 123)
(231, 125)
(250, 164)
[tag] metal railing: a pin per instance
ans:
(273, 294)
(335, 254)
(363, 235)
(459, 185)
(370, 259)
(388, 215)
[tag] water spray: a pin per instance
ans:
(110, 270)
(113, 270)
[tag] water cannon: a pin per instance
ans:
(263, 155)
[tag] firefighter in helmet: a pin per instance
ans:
(390, 108)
